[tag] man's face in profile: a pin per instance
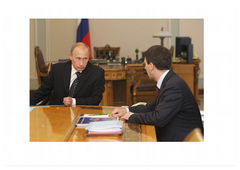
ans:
(147, 68)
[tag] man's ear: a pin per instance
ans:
(70, 55)
(151, 65)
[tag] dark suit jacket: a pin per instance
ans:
(89, 89)
(175, 113)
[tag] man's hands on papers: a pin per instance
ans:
(121, 112)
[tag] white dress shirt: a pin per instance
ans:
(72, 78)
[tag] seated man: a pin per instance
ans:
(87, 89)
(175, 112)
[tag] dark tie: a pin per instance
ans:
(74, 85)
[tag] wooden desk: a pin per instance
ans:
(57, 123)
(186, 72)
(53, 123)
(119, 80)
(132, 70)
(196, 75)
(115, 77)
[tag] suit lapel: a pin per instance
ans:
(84, 76)
(67, 76)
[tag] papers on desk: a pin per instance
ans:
(95, 115)
(84, 120)
(105, 128)
(31, 108)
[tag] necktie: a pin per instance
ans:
(74, 85)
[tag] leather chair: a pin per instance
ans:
(194, 136)
(46, 100)
(103, 52)
(41, 67)
(144, 89)
(42, 71)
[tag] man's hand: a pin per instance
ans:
(126, 116)
(67, 101)
(118, 112)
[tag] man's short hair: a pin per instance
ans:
(160, 57)
(79, 44)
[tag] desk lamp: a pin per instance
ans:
(162, 35)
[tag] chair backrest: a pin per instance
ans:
(40, 60)
(49, 68)
(40, 65)
(103, 52)
(194, 136)
(47, 99)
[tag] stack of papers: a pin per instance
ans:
(105, 128)
(95, 115)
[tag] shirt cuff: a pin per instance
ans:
(73, 102)
(128, 111)
(131, 114)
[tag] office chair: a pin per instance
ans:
(41, 67)
(42, 71)
(143, 89)
(47, 99)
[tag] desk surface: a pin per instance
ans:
(112, 67)
(118, 67)
(57, 123)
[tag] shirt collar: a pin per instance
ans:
(160, 80)
(74, 71)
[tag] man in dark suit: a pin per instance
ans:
(89, 86)
(175, 112)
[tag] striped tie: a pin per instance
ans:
(74, 85)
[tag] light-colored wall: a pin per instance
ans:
(128, 34)
(175, 30)
(33, 74)
(61, 35)
(41, 37)
(194, 29)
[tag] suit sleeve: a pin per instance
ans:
(166, 109)
(44, 90)
(97, 89)
(141, 108)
